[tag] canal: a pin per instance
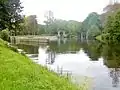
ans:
(97, 61)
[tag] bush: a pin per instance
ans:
(4, 34)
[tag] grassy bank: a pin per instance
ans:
(17, 72)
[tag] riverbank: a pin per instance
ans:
(17, 72)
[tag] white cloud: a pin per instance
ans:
(64, 9)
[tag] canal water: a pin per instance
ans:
(97, 61)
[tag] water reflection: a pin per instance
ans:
(112, 61)
(88, 58)
(115, 74)
(30, 49)
(50, 57)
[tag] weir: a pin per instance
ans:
(32, 38)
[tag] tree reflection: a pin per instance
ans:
(65, 46)
(92, 49)
(111, 54)
(115, 74)
(51, 57)
(30, 49)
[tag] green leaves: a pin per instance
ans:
(93, 31)
(112, 27)
(10, 14)
(4, 34)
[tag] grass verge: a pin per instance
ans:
(17, 72)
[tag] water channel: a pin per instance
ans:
(92, 59)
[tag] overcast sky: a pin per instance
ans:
(63, 9)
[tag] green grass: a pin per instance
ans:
(17, 72)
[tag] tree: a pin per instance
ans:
(73, 27)
(112, 27)
(93, 32)
(112, 8)
(92, 21)
(31, 25)
(41, 29)
(10, 16)
(109, 9)
(49, 17)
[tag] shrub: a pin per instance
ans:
(4, 34)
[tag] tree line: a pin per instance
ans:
(17, 24)
(12, 22)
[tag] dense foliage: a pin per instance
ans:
(112, 27)
(4, 34)
(10, 16)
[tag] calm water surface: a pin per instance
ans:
(98, 61)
